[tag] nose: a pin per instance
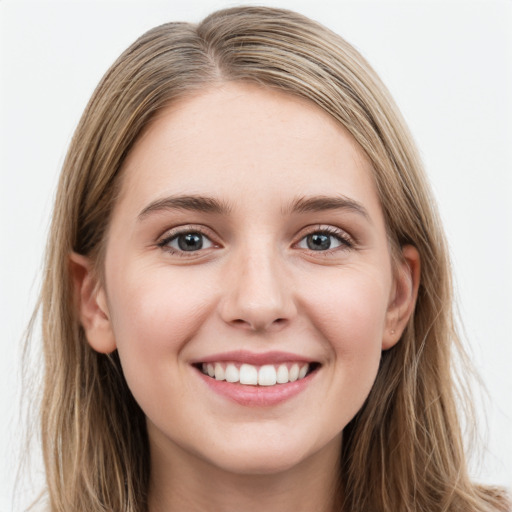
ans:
(258, 294)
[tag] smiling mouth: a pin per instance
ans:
(253, 375)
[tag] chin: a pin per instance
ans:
(268, 456)
(269, 463)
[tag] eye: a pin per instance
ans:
(324, 240)
(187, 241)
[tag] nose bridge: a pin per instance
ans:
(258, 295)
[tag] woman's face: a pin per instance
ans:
(248, 244)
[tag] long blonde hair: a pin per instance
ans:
(403, 451)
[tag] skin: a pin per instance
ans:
(255, 286)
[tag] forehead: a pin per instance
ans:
(239, 140)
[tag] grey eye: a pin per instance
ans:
(189, 242)
(320, 242)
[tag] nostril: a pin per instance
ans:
(259, 324)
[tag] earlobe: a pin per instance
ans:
(91, 304)
(404, 295)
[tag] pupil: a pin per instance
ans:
(318, 242)
(190, 242)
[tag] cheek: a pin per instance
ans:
(351, 319)
(154, 313)
(157, 304)
(350, 310)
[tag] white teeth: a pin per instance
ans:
(232, 373)
(220, 374)
(293, 374)
(248, 374)
(282, 374)
(267, 375)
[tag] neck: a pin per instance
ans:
(181, 482)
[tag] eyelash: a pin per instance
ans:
(177, 232)
(346, 242)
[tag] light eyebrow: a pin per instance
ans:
(323, 203)
(189, 203)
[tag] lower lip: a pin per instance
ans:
(257, 396)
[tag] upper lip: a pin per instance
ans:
(254, 358)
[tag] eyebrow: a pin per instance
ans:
(211, 205)
(188, 203)
(323, 203)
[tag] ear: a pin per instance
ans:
(91, 304)
(403, 296)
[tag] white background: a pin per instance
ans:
(449, 66)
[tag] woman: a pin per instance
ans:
(247, 300)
